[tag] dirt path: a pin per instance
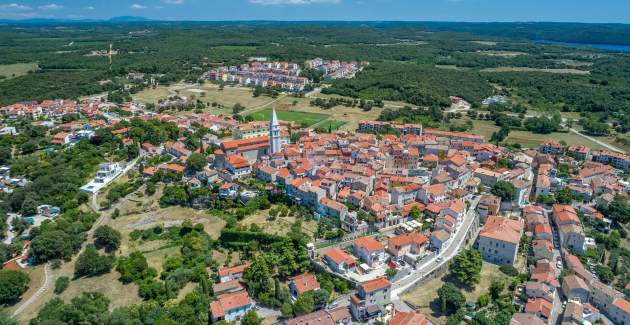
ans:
(45, 286)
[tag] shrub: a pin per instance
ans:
(61, 284)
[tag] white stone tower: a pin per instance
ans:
(274, 133)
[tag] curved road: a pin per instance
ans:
(453, 247)
(40, 291)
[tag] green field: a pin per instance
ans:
(332, 125)
(16, 70)
(532, 140)
(301, 118)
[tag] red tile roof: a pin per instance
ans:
(305, 282)
(376, 284)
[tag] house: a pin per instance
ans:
(408, 318)
(526, 319)
(499, 239)
(230, 307)
(619, 312)
(535, 290)
(542, 308)
(369, 250)
(550, 147)
(542, 249)
(339, 315)
(488, 205)
(228, 190)
(432, 193)
(339, 261)
(407, 244)
(232, 273)
(227, 287)
(575, 288)
(438, 238)
(237, 166)
(303, 283)
(365, 303)
(569, 227)
(579, 152)
(611, 302)
(332, 208)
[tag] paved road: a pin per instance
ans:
(10, 234)
(453, 247)
(40, 291)
(601, 143)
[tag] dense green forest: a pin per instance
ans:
(418, 63)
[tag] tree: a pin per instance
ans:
(564, 196)
(618, 210)
(508, 269)
(108, 237)
(196, 162)
(505, 190)
(87, 308)
(390, 273)
(91, 263)
(321, 297)
(496, 287)
(450, 298)
(29, 205)
(483, 300)
(467, 267)
(5, 319)
(250, 318)
(134, 268)
(51, 245)
(304, 304)
(12, 285)
(61, 284)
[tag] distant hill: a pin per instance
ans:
(128, 19)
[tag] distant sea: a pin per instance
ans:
(608, 47)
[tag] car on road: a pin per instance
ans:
(439, 259)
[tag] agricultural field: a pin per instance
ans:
(9, 71)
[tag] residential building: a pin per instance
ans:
(230, 306)
(303, 283)
(369, 250)
(499, 240)
(367, 302)
(339, 261)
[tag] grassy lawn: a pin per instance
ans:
(157, 257)
(424, 295)
(280, 226)
(300, 118)
(16, 70)
(332, 125)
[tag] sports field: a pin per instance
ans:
(303, 119)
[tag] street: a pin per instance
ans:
(454, 245)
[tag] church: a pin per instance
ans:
(252, 149)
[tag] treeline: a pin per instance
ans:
(415, 84)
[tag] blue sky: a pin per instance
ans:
(617, 11)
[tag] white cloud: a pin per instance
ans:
(52, 6)
(173, 2)
(15, 7)
(90, 8)
(291, 2)
(138, 6)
